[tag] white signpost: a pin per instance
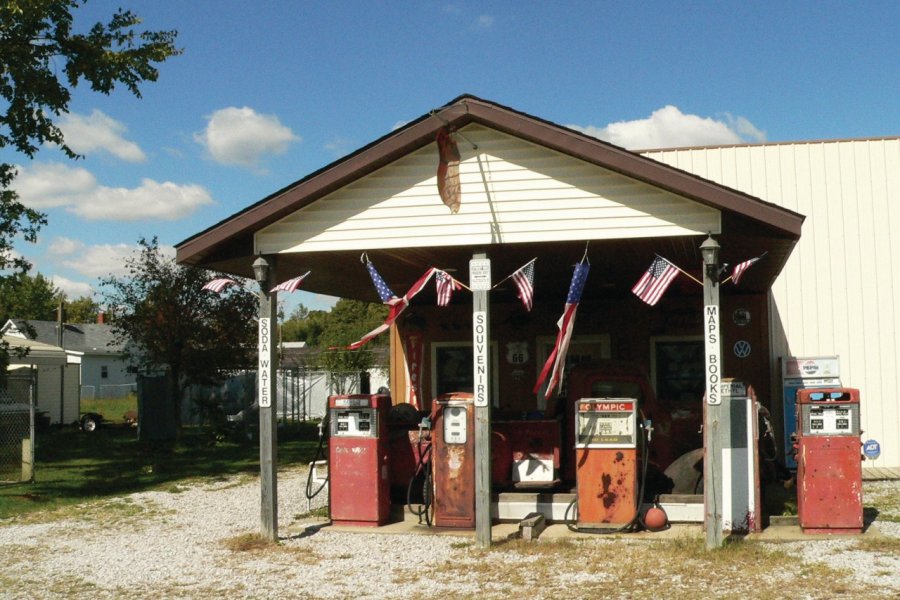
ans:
(713, 355)
(265, 362)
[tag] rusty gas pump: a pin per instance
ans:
(360, 487)
(453, 460)
(829, 462)
(607, 459)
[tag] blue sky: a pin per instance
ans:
(268, 91)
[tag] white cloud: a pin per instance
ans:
(48, 185)
(242, 137)
(668, 127)
(73, 289)
(99, 132)
(97, 260)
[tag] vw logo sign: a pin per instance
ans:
(742, 349)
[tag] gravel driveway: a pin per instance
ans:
(181, 543)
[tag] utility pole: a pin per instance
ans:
(264, 271)
(713, 412)
(480, 282)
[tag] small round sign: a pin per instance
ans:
(872, 449)
(742, 349)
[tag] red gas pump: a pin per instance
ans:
(606, 462)
(360, 492)
(829, 467)
(453, 460)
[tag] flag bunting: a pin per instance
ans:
(445, 285)
(742, 267)
(524, 280)
(652, 284)
(291, 285)
(556, 362)
(219, 285)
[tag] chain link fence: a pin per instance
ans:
(106, 392)
(17, 429)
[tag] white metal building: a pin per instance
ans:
(838, 294)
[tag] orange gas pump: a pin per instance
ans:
(360, 492)
(829, 463)
(607, 455)
(453, 460)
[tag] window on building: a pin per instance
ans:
(104, 372)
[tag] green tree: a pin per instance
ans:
(25, 297)
(41, 60)
(82, 310)
(168, 323)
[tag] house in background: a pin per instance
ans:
(95, 367)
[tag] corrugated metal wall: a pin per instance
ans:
(838, 294)
(512, 190)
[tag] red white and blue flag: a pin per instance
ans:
(398, 305)
(291, 285)
(219, 285)
(446, 285)
(556, 362)
(652, 285)
(524, 280)
(740, 268)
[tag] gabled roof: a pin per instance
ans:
(86, 338)
(228, 245)
(38, 353)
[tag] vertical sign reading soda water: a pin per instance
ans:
(265, 363)
(713, 358)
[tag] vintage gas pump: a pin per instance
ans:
(360, 492)
(606, 462)
(829, 467)
(453, 460)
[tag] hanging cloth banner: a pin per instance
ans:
(448, 170)
(415, 346)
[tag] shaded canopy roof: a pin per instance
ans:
(749, 225)
(37, 353)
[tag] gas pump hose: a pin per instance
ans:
(320, 455)
(572, 523)
(423, 468)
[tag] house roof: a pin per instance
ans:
(38, 353)
(86, 338)
(229, 245)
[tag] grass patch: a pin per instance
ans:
(73, 467)
(249, 542)
(112, 409)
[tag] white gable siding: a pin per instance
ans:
(512, 191)
(838, 293)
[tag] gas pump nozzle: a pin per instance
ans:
(648, 427)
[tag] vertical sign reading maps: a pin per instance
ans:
(265, 362)
(713, 358)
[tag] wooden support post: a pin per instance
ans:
(266, 388)
(480, 282)
(713, 425)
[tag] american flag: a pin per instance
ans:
(741, 267)
(218, 285)
(384, 292)
(398, 305)
(290, 285)
(524, 280)
(652, 285)
(445, 285)
(557, 360)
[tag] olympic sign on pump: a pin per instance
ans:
(713, 355)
